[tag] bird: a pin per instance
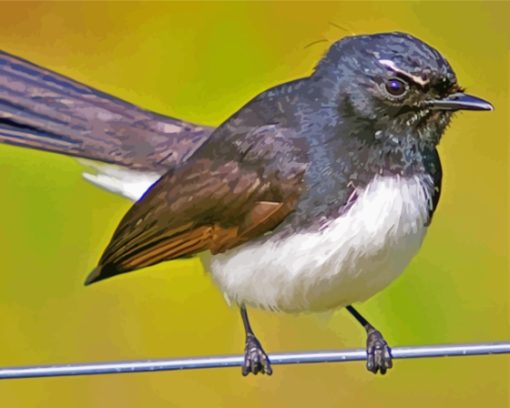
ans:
(313, 196)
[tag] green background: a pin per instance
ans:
(201, 62)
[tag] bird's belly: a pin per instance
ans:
(354, 257)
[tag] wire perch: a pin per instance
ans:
(140, 366)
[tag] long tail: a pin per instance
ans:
(43, 110)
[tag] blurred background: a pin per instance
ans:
(201, 62)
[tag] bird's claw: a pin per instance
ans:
(378, 352)
(255, 359)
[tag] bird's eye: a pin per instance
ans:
(396, 87)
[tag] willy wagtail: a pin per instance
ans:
(314, 195)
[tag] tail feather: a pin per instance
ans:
(44, 110)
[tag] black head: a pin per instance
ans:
(395, 84)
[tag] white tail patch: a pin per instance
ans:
(128, 183)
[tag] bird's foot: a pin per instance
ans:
(378, 352)
(255, 358)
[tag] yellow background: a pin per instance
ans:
(201, 62)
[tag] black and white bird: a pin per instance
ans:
(315, 195)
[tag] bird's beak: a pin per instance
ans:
(460, 101)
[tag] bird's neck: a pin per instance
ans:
(356, 147)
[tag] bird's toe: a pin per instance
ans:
(378, 353)
(255, 359)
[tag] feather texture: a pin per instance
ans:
(349, 260)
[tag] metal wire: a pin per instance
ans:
(447, 350)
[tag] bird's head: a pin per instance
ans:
(395, 83)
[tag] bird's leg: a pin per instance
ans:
(255, 358)
(378, 351)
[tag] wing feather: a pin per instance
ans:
(207, 204)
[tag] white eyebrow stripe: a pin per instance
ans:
(415, 78)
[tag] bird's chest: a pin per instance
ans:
(350, 259)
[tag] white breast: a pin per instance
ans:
(350, 260)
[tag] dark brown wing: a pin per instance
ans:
(43, 110)
(207, 204)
